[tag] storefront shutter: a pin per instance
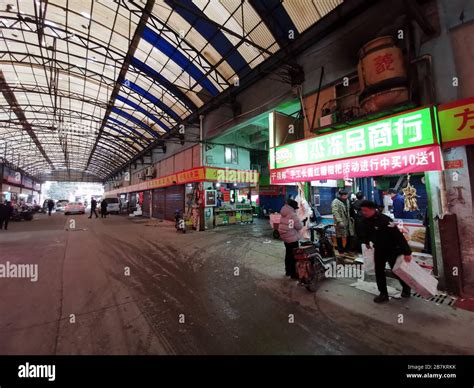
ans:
(158, 204)
(146, 204)
(174, 201)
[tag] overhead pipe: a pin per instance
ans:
(428, 59)
(317, 98)
(201, 138)
(202, 219)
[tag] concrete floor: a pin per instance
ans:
(82, 271)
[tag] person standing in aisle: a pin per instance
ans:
(398, 204)
(3, 213)
(357, 217)
(6, 210)
(355, 206)
(93, 207)
(50, 206)
(389, 243)
(103, 209)
(343, 222)
(288, 229)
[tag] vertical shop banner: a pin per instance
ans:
(456, 121)
(420, 159)
(407, 130)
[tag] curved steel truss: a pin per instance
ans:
(87, 85)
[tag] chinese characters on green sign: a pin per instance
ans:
(402, 131)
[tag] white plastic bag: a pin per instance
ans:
(369, 265)
(304, 211)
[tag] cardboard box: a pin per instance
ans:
(416, 277)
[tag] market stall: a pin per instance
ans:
(390, 150)
(232, 204)
(185, 192)
(230, 196)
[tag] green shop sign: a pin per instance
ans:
(406, 130)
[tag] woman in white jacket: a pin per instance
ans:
(288, 229)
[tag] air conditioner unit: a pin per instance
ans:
(327, 120)
(150, 172)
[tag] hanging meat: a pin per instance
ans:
(411, 202)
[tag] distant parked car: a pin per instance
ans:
(113, 205)
(74, 208)
(61, 204)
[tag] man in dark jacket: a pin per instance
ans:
(50, 206)
(358, 219)
(103, 209)
(3, 213)
(6, 210)
(355, 206)
(389, 243)
(93, 207)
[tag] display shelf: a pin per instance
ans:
(232, 216)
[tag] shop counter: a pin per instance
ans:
(415, 233)
(233, 216)
(413, 230)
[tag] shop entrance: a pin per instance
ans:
(159, 203)
(234, 203)
(146, 203)
(174, 201)
(166, 201)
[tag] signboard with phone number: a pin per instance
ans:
(402, 162)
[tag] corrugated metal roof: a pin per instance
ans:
(63, 65)
(304, 13)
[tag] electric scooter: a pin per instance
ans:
(326, 249)
(21, 214)
(180, 224)
(314, 257)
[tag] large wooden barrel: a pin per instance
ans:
(382, 75)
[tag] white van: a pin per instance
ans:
(61, 205)
(113, 205)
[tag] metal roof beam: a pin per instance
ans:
(123, 71)
(179, 4)
(11, 99)
(331, 22)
